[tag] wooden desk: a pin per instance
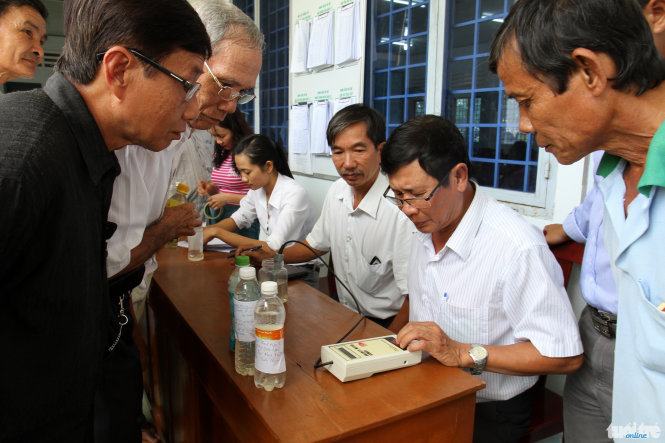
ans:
(200, 398)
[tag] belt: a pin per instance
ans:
(604, 322)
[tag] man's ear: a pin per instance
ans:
(595, 69)
(380, 147)
(115, 68)
(654, 12)
(459, 176)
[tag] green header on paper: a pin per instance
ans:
(322, 95)
(304, 16)
(345, 2)
(346, 92)
(326, 7)
(301, 98)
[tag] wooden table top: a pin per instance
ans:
(313, 405)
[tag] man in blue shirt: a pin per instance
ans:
(587, 396)
(599, 87)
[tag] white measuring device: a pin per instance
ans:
(358, 359)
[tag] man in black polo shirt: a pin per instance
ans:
(127, 75)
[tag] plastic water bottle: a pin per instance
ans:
(269, 316)
(244, 301)
(179, 197)
(273, 269)
(241, 261)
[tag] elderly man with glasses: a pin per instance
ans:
(56, 180)
(144, 225)
(486, 293)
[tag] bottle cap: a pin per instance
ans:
(269, 288)
(182, 188)
(247, 273)
(242, 260)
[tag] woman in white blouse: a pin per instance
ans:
(281, 205)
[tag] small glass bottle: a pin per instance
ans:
(269, 317)
(273, 269)
(178, 198)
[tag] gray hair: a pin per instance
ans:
(223, 20)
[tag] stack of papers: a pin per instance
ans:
(320, 49)
(300, 44)
(319, 124)
(347, 38)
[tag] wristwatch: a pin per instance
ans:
(479, 355)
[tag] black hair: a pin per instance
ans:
(548, 31)
(239, 127)
(434, 141)
(155, 28)
(35, 4)
(260, 149)
(643, 3)
(358, 113)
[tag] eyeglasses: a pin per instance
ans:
(414, 202)
(228, 93)
(190, 88)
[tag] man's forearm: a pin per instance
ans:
(299, 253)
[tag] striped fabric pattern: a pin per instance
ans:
(494, 283)
(226, 179)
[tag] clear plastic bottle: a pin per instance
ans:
(176, 199)
(269, 317)
(241, 262)
(273, 269)
(244, 301)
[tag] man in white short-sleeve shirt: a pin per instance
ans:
(368, 238)
(486, 292)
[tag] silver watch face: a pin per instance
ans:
(478, 352)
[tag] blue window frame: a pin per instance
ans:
(274, 85)
(475, 100)
(397, 58)
(247, 6)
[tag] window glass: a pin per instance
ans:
(397, 59)
(274, 72)
(474, 99)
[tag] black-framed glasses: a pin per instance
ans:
(414, 202)
(228, 93)
(191, 88)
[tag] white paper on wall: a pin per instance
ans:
(347, 30)
(299, 129)
(320, 49)
(300, 43)
(320, 118)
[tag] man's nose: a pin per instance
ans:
(38, 51)
(525, 125)
(348, 161)
(191, 110)
(228, 106)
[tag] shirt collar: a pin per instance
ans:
(96, 155)
(371, 201)
(276, 196)
(461, 242)
(654, 169)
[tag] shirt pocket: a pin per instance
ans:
(465, 324)
(649, 326)
(371, 278)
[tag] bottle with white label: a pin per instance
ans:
(269, 316)
(244, 301)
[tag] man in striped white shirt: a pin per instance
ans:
(486, 292)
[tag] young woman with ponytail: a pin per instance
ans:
(281, 205)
